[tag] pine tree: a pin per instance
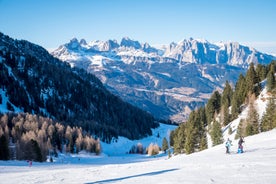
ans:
(179, 139)
(240, 129)
(165, 144)
(30, 150)
(202, 116)
(213, 106)
(36, 151)
(190, 140)
(69, 139)
(268, 118)
(169, 154)
(261, 71)
(272, 66)
(252, 118)
(271, 83)
(172, 137)
(203, 142)
(4, 148)
(235, 106)
(274, 121)
(252, 81)
(216, 133)
(226, 99)
(225, 116)
(226, 95)
(98, 148)
(238, 96)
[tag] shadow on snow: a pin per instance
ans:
(134, 176)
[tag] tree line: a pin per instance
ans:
(222, 108)
(25, 136)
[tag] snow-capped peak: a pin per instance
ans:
(83, 42)
(73, 44)
(127, 42)
(103, 46)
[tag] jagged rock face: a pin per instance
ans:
(168, 82)
(203, 52)
(126, 42)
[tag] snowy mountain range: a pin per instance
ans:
(169, 81)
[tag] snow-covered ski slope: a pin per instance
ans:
(123, 145)
(257, 165)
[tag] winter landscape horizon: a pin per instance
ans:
(99, 92)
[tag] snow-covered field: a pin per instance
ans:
(256, 165)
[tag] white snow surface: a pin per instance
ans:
(114, 165)
(256, 165)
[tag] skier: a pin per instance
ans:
(240, 148)
(227, 145)
(30, 163)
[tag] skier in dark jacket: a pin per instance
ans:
(241, 141)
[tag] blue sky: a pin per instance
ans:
(51, 23)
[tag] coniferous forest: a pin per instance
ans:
(36, 85)
(224, 107)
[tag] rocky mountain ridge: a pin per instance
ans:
(168, 81)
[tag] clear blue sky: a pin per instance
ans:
(51, 23)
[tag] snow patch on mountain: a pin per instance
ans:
(4, 104)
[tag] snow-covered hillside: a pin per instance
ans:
(256, 165)
(123, 145)
(260, 105)
(114, 165)
(169, 81)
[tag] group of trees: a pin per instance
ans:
(253, 124)
(191, 136)
(152, 149)
(32, 137)
(223, 107)
(268, 121)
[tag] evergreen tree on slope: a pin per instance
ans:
(252, 81)
(216, 133)
(252, 119)
(271, 83)
(268, 119)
